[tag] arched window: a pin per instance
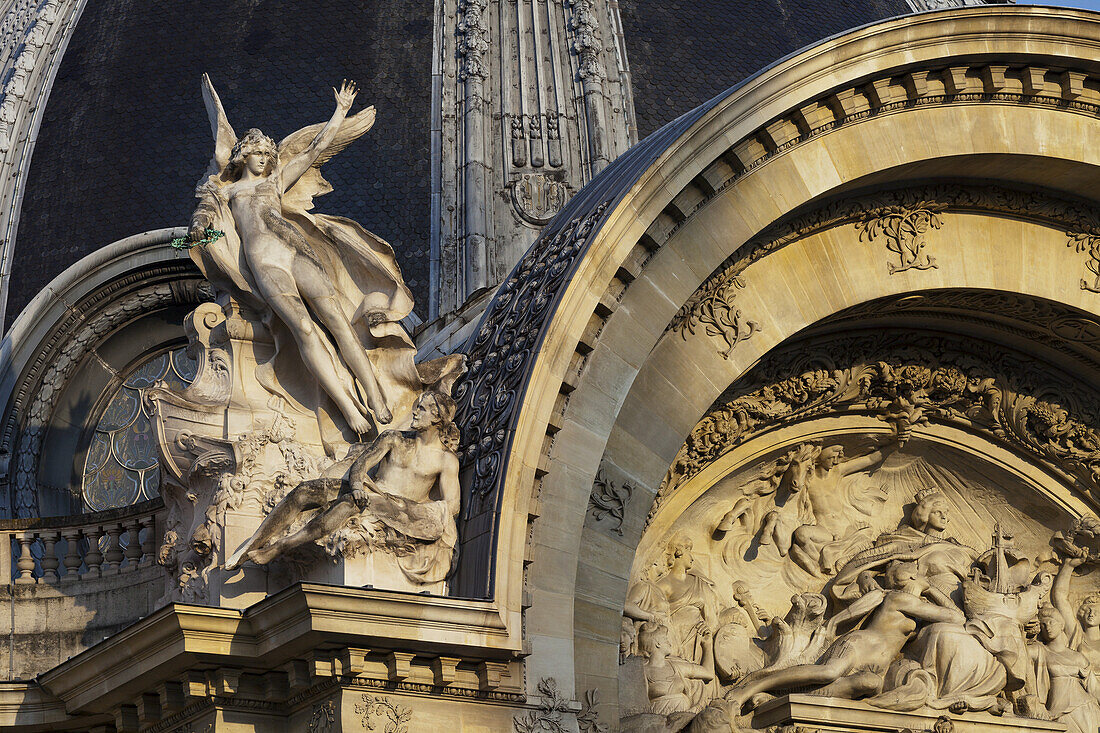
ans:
(121, 465)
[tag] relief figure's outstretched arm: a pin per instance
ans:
(874, 458)
(293, 169)
(1059, 591)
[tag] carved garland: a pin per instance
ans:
(906, 380)
(902, 217)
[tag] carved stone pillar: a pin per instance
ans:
(532, 101)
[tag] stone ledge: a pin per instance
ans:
(833, 714)
(288, 625)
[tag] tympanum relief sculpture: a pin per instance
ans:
(898, 576)
(309, 430)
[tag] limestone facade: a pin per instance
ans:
(886, 244)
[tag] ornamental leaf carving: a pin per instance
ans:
(608, 499)
(1088, 241)
(588, 719)
(378, 713)
(904, 228)
(903, 217)
(549, 717)
(907, 381)
(715, 311)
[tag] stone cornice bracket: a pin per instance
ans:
(33, 39)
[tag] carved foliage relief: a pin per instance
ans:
(910, 575)
(904, 221)
(906, 383)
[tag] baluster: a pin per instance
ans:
(26, 560)
(72, 553)
(133, 545)
(114, 548)
(49, 557)
(94, 558)
(149, 544)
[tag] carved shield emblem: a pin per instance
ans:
(537, 197)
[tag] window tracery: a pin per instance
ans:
(121, 464)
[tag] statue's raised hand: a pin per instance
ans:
(346, 96)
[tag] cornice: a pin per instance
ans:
(273, 632)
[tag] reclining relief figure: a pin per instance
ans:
(408, 508)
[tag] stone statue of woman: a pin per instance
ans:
(330, 292)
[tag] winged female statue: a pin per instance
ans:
(330, 292)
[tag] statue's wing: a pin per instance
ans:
(224, 137)
(312, 183)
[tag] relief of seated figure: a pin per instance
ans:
(668, 676)
(407, 509)
(922, 540)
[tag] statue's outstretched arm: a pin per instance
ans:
(293, 169)
(204, 216)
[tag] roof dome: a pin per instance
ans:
(124, 137)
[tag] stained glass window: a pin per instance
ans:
(121, 468)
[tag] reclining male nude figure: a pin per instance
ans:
(855, 664)
(409, 465)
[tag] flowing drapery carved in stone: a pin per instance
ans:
(277, 449)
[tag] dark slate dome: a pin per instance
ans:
(124, 137)
(683, 52)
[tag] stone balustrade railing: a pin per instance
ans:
(63, 550)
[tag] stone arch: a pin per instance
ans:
(573, 355)
(70, 345)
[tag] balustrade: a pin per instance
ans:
(81, 547)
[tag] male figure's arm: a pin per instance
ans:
(359, 478)
(448, 483)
